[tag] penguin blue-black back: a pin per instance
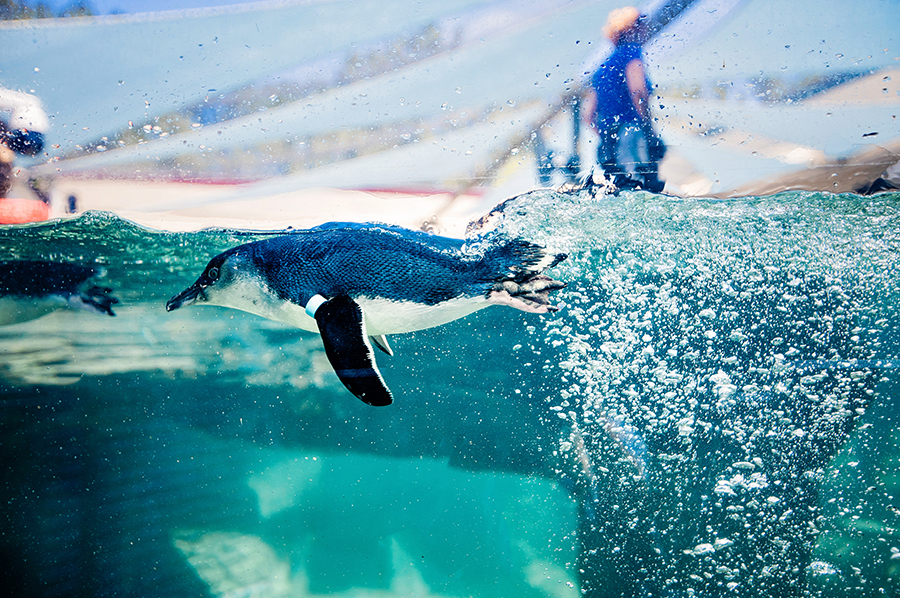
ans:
(378, 263)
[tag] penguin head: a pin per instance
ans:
(214, 285)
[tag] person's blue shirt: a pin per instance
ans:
(611, 88)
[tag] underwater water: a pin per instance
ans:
(711, 412)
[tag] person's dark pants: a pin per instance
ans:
(643, 157)
(5, 176)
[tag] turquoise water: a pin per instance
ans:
(712, 412)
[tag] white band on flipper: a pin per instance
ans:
(313, 305)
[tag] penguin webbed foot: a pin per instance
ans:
(531, 295)
(381, 342)
(96, 299)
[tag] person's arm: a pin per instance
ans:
(637, 87)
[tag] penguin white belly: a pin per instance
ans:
(248, 295)
(384, 316)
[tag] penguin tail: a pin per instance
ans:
(519, 279)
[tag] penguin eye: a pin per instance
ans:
(212, 273)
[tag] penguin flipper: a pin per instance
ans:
(343, 330)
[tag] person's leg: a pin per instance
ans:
(608, 156)
(544, 159)
(6, 169)
(649, 169)
(41, 188)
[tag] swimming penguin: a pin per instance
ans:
(31, 289)
(355, 283)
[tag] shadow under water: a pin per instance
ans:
(710, 413)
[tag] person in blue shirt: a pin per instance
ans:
(619, 106)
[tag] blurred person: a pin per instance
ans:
(23, 123)
(618, 106)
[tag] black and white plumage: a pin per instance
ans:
(352, 283)
(31, 289)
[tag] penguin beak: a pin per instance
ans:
(185, 297)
